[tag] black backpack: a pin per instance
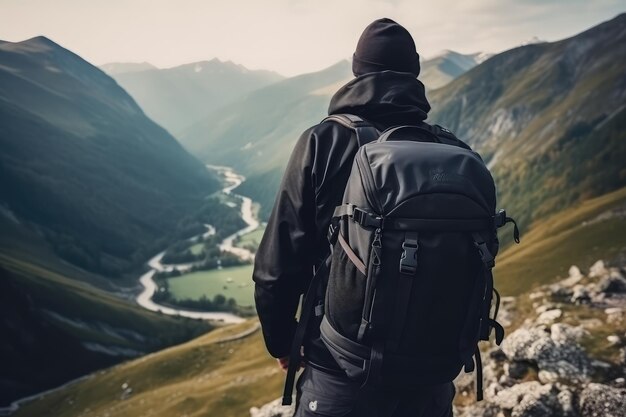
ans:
(409, 284)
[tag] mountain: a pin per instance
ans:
(83, 165)
(251, 133)
(445, 67)
(549, 118)
(90, 188)
(115, 68)
(179, 96)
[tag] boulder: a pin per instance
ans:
(273, 409)
(549, 316)
(562, 333)
(603, 400)
(580, 294)
(574, 277)
(516, 369)
(529, 399)
(613, 339)
(613, 283)
(561, 359)
(598, 269)
(566, 402)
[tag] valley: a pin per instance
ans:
(194, 285)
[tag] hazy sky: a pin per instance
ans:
(288, 36)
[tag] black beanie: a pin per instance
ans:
(385, 45)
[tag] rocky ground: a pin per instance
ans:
(565, 358)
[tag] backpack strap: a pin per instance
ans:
(435, 133)
(308, 308)
(408, 268)
(365, 132)
(423, 128)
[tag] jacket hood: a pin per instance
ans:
(386, 98)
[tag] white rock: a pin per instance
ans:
(613, 339)
(574, 272)
(548, 317)
(562, 333)
(547, 377)
(598, 269)
(273, 409)
(535, 295)
(574, 277)
(580, 294)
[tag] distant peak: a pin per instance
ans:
(41, 40)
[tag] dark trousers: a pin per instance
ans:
(323, 394)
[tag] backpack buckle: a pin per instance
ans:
(408, 260)
(500, 219)
(365, 219)
(485, 254)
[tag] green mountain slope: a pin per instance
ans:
(56, 326)
(89, 188)
(179, 96)
(208, 376)
(251, 133)
(83, 165)
(549, 118)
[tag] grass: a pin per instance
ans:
(216, 281)
(197, 248)
(252, 239)
(553, 245)
(79, 300)
(203, 377)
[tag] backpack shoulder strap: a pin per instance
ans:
(447, 137)
(364, 131)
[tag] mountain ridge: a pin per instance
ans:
(176, 97)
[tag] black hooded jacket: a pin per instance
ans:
(312, 186)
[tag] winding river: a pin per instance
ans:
(144, 299)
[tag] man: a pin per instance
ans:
(385, 93)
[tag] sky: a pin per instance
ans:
(287, 36)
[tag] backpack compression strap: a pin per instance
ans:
(365, 132)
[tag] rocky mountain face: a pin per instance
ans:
(549, 118)
(567, 358)
(177, 97)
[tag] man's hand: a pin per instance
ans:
(284, 363)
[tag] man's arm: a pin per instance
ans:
(284, 261)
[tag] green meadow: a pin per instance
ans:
(234, 282)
